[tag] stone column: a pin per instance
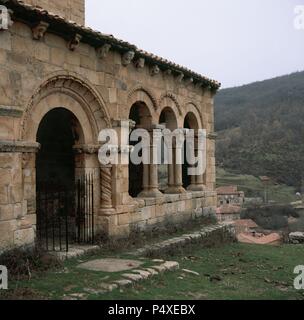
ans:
(197, 181)
(106, 194)
(176, 171)
(150, 172)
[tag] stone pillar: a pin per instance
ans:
(210, 176)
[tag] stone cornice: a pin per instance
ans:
(30, 15)
(19, 146)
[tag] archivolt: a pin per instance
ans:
(79, 89)
(140, 93)
(169, 100)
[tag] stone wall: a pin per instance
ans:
(73, 10)
(37, 76)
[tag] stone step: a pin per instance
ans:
(184, 240)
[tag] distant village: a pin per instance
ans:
(233, 207)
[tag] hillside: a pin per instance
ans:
(261, 129)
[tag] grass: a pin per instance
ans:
(235, 271)
(253, 187)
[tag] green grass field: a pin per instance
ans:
(253, 187)
(235, 271)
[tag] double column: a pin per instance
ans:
(150, 171)
(198, 180)
(175, 167)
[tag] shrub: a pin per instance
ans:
(272, 217)
(23, 262)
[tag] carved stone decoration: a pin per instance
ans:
(106, 187)
(140, 63)
(180, 77)
(168, 72)
(40, 30)
(6, 18)
(127, 58)
(74, 42)
(103, 51)
(155, 70)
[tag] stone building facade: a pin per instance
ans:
(61, 76)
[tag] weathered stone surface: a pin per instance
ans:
(98, 84)
(110, 265)
(133, 277)
(24, 237)
(123, 283)
(171, 265)
(143, 273)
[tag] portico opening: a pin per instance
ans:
(64, 195)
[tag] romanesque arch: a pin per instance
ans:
(143, 95)
(193, 110)
(169, 100)
(72, 93)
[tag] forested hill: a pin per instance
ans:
(261, 128)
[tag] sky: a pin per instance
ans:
(232, 41)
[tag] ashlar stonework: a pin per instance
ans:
(58, 76)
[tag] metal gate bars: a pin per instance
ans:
(65, 215)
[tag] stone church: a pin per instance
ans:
(61, 83)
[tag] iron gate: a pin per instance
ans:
(65, 215)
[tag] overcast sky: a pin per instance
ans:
(232, 41)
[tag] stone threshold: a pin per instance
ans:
(192, 238)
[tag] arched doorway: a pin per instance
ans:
(141, 116)
(55, 162)
(64, 198)
(190, 122)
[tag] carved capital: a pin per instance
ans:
(40, 30)
(127, 58)
(103, 51)
(74, 42)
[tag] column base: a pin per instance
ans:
(155, 193)
(107, 211)
(175, 190)
(197, 187)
